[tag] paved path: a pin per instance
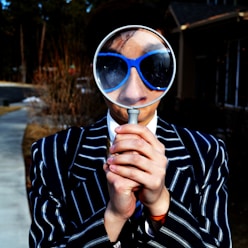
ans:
(14, 212)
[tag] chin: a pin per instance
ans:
(120, 116)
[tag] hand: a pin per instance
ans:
(122, 202)
(121, 191)
(139, 166)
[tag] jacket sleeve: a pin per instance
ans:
(207, 225)
(50, 225)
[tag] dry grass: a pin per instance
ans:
(7, 109)
(32, 133)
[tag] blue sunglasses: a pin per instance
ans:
(155, 68)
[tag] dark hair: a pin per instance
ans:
(117, 13)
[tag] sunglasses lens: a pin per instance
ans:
(111, 70)
(157, 70)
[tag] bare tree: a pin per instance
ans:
(23, 60)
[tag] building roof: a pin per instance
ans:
(189, 15)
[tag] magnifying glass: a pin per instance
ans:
(134, 66)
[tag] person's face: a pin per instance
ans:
(134, 92)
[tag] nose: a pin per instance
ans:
(133, 91)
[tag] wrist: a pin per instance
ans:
(160, 208)
(113, 224)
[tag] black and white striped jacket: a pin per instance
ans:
(69, 191)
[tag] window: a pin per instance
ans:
(232, 75)
(223, 2)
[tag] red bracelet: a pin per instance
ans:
(159, 218)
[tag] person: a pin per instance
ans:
(114, 184)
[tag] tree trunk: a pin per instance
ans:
(41, 47)
(23, 61)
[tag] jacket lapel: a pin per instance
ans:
(180, 175)
(87, 182)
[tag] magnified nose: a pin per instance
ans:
(133, 92)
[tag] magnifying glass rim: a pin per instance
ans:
(112, 33)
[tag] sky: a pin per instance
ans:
(3, 2)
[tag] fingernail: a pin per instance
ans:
(112, 167)
(112, 148)
(118, 128)
(110, 160)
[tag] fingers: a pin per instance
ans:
(147, 144)
(139, 169)
(137, 154)
(138, 134)
(131, 144)
(119, 183)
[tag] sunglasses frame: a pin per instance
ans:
(136, 64)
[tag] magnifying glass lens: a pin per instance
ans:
(134, 66)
